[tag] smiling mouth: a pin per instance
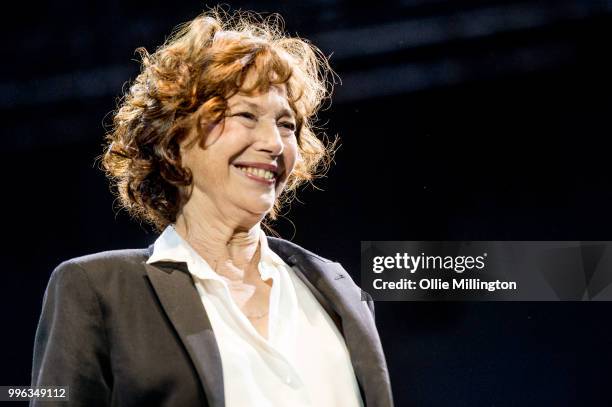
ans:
(258, 174)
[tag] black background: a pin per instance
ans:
(459, 120)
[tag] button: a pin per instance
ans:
(288, 380)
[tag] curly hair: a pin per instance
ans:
(185, 84)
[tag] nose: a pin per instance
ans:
(268, 138)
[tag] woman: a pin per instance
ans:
(209, 140)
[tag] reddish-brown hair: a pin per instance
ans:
(185, 84)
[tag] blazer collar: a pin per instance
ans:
(181, 302)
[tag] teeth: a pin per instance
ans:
(258, 172)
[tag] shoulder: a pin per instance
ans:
(125, 257)
(102, 265)
(294, 254)
(316, 265)
(288, 249)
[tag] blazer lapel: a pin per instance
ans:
(335, 290)
(180, 300)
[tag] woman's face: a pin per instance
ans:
(246, 159)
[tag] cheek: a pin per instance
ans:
(291, 154)
(205, 170)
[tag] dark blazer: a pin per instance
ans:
(120, 332)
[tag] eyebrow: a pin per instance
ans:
(283, 112)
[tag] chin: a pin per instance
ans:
(261, 209)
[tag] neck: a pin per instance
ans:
(228, 245)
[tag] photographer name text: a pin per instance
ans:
(403, 262)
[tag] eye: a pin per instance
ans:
(246, 115)
(288, 125)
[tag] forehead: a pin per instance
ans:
(273, 98)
